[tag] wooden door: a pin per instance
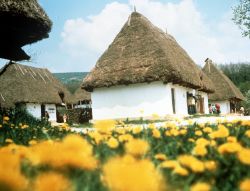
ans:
(202, 105)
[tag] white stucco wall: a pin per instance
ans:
(224, 106)
(128, 101)
(34, 109)
(51, 108)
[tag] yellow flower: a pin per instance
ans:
(156, 133)
(201, 125)
(151, 126)
(170, 125)
(113, 143)
(229, 148)
(180, 171)
(10, 174)
(105, 126)
(98, 138)
(222, 132)
(125, 138)
(198, 133)
(207, 130)
(244, 156)
(137, 147)
(136, 130)
(52, 181)
(32, 142)
(231, 139)
(1, 126)
(24, 126)
(120, 131)
(8, 141)
(213, 143)
(202, 142)
(210, 165)
(6, 118)
(247, 133)
(191, 140)
(245, 123)
(190, 122)
(167, 133)
(160, 156)
(170, 164)
(245, 185)
(201, 186)
(174, 132)
(60, 154)
(129, 174)
(183, 131)
(200, 150)
(191, 162)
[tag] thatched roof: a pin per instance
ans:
(26, 84)
(142, 53)
(81, 95)
(224, 87)
(22, 22)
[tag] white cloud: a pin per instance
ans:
(221, 41)
(90, 37)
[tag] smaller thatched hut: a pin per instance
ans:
(34, 88)
(22, 22)
(226, 94)
(82, 98)
(145, 69)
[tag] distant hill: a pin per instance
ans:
(72, 80)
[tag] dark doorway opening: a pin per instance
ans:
(173, 100)
(42, 111)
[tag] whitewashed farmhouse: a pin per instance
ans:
(226, 94)
(36, 89)
(143, 72)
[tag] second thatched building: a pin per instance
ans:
(145, 71)
(35, 89)
(226, 94)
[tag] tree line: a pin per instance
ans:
(239, 73)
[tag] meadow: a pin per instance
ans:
(124, 157)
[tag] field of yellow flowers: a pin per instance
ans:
(195, 157)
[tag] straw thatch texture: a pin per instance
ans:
(142, 53)
(224, 87)
(26, 84)
(22, 22)
(81, 95)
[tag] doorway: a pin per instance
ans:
(42, 111)
(173, 100)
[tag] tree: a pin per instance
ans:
(246, 103)
(242, 17)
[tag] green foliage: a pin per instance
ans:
(242, 17)
(22, 128)
(239, 73)
(72, 80)
(246, 103)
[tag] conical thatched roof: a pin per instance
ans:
(81, 94)
(224, 87)
(142, 53)
(26, 84)
(22, 22)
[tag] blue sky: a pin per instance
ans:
(83, 29)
